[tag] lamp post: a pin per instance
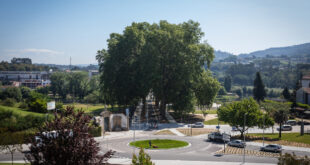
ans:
(263, 130)
(244, 137)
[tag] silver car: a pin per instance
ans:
(272, 148)
(197, 125)
(237, 143)
(285, 128)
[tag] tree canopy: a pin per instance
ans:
(164, 58)
(246, 110)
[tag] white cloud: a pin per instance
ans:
(36, 51)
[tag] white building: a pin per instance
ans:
(303, 94)
(31, 79)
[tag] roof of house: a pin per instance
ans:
(306, 90)
(306, 77)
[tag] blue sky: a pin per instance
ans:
(52, 31)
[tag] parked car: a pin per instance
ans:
(305, 123)
(233, 128)
(197, 125)
(285, 128)
(272, 148)
(291, 122)
(217, 136)
(237, 143)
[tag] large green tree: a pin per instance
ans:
(242, 114)
(259, 88)
(164, 58)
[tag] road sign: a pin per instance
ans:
(218, 127)
(127, 112)
(51, 105)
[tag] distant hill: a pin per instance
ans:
(220, 55)
(295, 50)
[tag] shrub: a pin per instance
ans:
(72, 145)
(10, 102)
(291, 159)
(11, 92)
(95, 131)
(23, 105)
(37, 103)
(143, 159)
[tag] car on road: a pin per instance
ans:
(197, 125)
(217, 136)
(237, 143)
(291, 122)
(272, 148)
(305, 122)
(233, 128)
(285, 128)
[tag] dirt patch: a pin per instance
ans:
(195, 131)
(187, 118)
(239, 151)
(164, 132)
(208, 116)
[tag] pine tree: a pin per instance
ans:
(227, 83)
(286, 93)
(259, 88)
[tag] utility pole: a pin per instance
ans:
(244, 137)
(263, 130)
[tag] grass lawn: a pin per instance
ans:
(160, 143)
(212, 111)
(290, 137)
(21, 112)
(95, 109)
(213, 122)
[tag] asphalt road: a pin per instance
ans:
(199, 150)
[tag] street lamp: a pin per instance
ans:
(244, 137)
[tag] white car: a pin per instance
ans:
(237, 143)
(272, 148)
(285, 128)
(197, 125)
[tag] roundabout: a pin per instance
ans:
(159, 144)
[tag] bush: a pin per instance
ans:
(14, 122)
(10, 102)
(81, 148)
(143, 159)
(95, 131)
(291, 159)
(11, 92)
(37, 103)
(23, 105)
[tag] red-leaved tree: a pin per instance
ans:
(65, 140)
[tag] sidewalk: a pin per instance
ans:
(167, 162)
(182, 162)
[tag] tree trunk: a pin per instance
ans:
(143, 108)
(156, 103)
(12, 157)
(241, 136)
(163, 108)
